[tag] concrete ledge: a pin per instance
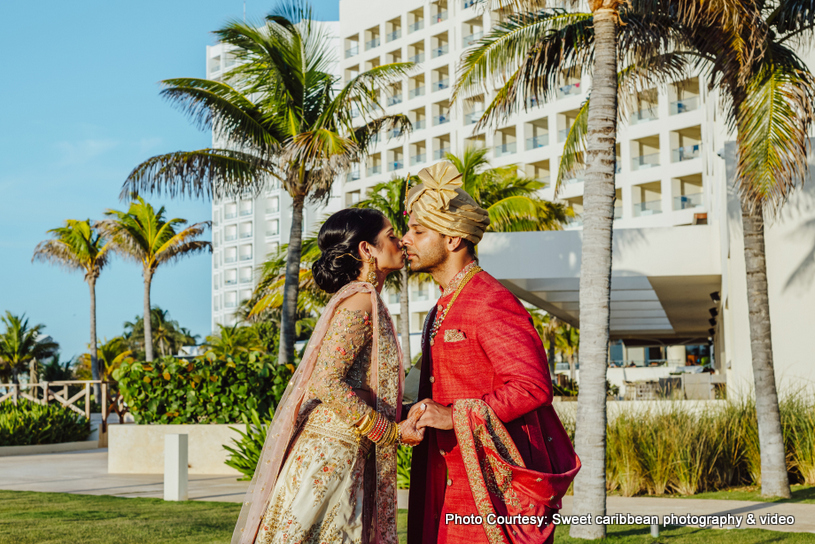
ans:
(139, 449)
(9, 451)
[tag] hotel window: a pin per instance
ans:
(272, 227)
(273, 204)
(246, 252)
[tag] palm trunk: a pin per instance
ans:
(148, 322)
(95, 374)
(595, 279)
(774, 479)
(404, 318)
(32, 376)
(572, 370)
(550, 355)
(291, 288)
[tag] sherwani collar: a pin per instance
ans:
(451, 287)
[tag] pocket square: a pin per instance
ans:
(454, 335)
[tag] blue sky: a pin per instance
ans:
(79, 108)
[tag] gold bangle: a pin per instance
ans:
(365, 426)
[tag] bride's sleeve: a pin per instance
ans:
(347, 334)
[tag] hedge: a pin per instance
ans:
(29, 423)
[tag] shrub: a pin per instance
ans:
(202, 390)
(29, 423)
(404, 456)
(245, 455)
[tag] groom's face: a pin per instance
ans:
(425, 249)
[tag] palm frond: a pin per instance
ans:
(575, 145)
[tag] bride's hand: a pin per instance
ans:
(411, 435)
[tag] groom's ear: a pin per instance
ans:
(454, 243)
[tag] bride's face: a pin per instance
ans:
(388, 251)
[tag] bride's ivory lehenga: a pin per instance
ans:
(336, 486)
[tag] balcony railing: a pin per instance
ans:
(684, 106)
(230, 281)
(532, 102)
(469, 3)
(370, 44)
(467, 41)
(441, 50)
(506, 149)
(352, 51)
(420, 295)
(578, 176)
(683, 202)
(618, 211)
(231, 215)
(272, 232)
(354, 113)
(686, 153)
(230, 259)
(439, 17)
(649, 207)
(618, 165)
(645, 114)
(417, 58)
(472, 117)
(395, 133)
(246, 212)
(395, 165)
(568, 90)
(537, 141)
(353, 175)
(230, 303)
(562, 134)
(396, 34)
(372, 170)
(441, 84)
(440, 153)
(246, 235)
(441, 119)
(576, 221)
(230, 237)
(418, 159)
(419, 124)
(395, 99)
(246, 257)
(645, 161)
(246, 279)
(418, 91)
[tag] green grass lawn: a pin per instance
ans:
(52, 518)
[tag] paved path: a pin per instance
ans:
(85, 472)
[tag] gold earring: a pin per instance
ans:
(372, 272)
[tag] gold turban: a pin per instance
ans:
(441, 204)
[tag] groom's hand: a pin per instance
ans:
(435, 415)
(411, 435)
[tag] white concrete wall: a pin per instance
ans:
(139, 449)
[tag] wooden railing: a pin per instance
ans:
(48, 392)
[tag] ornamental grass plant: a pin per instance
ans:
(28, 423)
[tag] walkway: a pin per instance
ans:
(85, 472)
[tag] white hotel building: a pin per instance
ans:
(677, 238)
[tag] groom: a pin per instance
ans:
(478, 343)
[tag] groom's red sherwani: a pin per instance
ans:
(486, 349)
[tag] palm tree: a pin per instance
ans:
(168, 335)
(21, 345)
(79, 246)
(528, 53)
(511, 201)
(568, 341)
(291, 121)
(232, 341)
(144, 235)
(389, 198)
(548, 327)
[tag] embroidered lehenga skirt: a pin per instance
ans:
(320, 494)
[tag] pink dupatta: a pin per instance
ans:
(388, 401)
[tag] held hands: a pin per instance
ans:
(433, 415)
(411, 434)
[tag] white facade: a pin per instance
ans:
(246, 230)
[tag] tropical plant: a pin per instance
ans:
(111, 354)
(79, 246)
(54, 370)
(168, 334)
(245, 454)
(528, 53)
(202, 389)
(233, 340)
(142, 234)
(548, 327)
(511, 200)
(568, 342)
(28, 423)
(21, 345)
(290, 120)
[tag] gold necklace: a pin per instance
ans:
(440, 319)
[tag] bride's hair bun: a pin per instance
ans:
(339, 241)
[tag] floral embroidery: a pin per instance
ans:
(451, 287)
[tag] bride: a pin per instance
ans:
(327, 472)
